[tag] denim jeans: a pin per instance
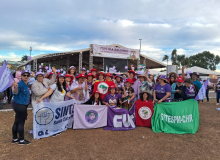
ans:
(217, 96)
(207, 95)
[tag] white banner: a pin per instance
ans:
(115, 52)
(52, 118)
(90, 116)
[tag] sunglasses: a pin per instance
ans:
(26, 75)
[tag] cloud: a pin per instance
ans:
(11, 56)
(56, 26)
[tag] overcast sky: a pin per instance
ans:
(49, 26)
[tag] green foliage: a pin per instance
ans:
(205, 60)
(24, 58)
(174, 57)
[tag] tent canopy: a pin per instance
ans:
(201, 71)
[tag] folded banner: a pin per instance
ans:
(90, 116)
(52, 118)
(120, 119)
(176, 117)
(144, 112)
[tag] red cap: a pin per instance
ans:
(180, 79)
(51, 73)
(90, 74)
(94, 70)
(81, 76)
(112, 86)
(67, 75)
(131, 71)
(97, 75)
(130, 81)
(108, 74)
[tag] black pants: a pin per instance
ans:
(9, 94)
(20, 117)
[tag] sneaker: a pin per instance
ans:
(217, 104)
(15, 141)
(25, 142)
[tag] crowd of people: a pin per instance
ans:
(32, 88)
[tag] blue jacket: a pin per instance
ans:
(173, 90)
(23, 94)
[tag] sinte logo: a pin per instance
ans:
(44, 116)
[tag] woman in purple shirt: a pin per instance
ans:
(111, 99)
(162, 90)
(189, 91)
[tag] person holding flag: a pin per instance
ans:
(20, 101)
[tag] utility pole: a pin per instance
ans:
(140, 45)
(30, 50)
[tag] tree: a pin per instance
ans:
(181, 60)
(24, 58)
(205, 60)
(166, 58)
(174, 57)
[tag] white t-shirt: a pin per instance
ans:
(57, 96)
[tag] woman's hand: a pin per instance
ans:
(39, 100)
(160, 101)
(15, 85)
(54, 70)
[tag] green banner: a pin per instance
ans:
(176, 117)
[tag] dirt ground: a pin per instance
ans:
(141, 143)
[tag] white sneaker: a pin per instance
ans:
(217, 104)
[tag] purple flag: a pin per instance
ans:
(136, 89)
(6, 77)
(90, 116)
(120, 119)
(202, 91)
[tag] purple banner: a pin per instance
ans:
(120, 119)
(6, 77)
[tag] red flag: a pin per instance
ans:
(103, 88)
(143, 112)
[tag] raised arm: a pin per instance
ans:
(125, 94)
(183, 74)
(54, 77)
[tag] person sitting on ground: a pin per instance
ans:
(127, 101)
(21, 101)
(176, 89)
(57, 91)
(112, 98)
(95, 99)
(145, 97)
(189, 90)
(162, 90)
